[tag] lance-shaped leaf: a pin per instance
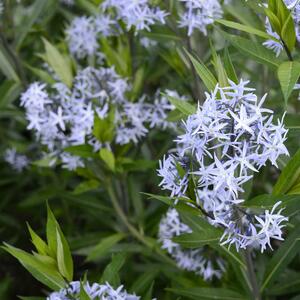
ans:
(283, 256)
(254, 50)
(181, 204)
(144, 281)
(51, 233)
(204, 73)
(148, 295)
(83, 295)
(183, 106)
(64, 257)
(111, 271)
(291, 203)
(229, 67)
(288, 283)
(288, 33)
(39, 244)
(6, 65)
(289, 177)
(288, 75)
(104, 246)
(247, 29)
(33, 14)
(203, 232)
(60, 64)
(41, 270)
(108, 157)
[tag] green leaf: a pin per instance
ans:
(288, 33)
(289, 176)
(194, 240)
(136, 165)
(104, 246)
(204, 73)
(208, 293)
(86, 186)
(247, 29)
(104, 128)
(35, 11)
(220, 70)
(291, 203)
(39, 244)
(288, 74)
(83, 294)
(108, 157)
(51, 233)
(119, 58)
(182, 204)
(138, 82)
(229, 67)
(9, 92)
(274, 21)
(144, 281)
(6, 65)
(292, 121)
(84, 151)
(46, 260)
(241, 12)
(41, 74)
(110, 273)
(282, 257)
(175, 116)
(183, 106)
(203, 233)
(41, 271)
(88, 6)
(231, 254)
(254, 50)
(61, 66)
(288, 283)
(64, 257)
(148, 295)
(162, 37)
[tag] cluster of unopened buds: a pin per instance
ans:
(228, 139)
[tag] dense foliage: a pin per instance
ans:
(152, 149)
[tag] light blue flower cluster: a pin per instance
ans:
(193, 260)
(199, 14)
(224, 142)
(62, 116)
(95, 291)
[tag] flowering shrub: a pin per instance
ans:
(164, 135)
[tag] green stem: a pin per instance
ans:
(252, 276)
(288, 52)
(196, 89)
(135, 233)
